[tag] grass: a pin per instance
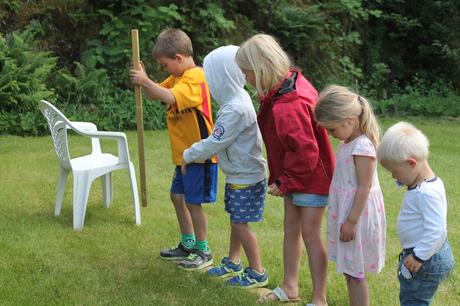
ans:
(113, 262)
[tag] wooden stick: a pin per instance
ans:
(139, 116)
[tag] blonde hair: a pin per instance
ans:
(262, 54)
(402, 141)
(336, 103)
(171, 42)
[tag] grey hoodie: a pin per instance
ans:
(236, 138)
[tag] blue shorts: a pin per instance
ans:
(245, 204)
(198, 185)
(309, 200)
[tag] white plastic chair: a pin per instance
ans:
(89, 167)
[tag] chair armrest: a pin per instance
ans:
(89, 129)
(123, 153)
(82, 128)
(105, 134)
(87, 126)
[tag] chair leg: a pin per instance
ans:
(107, 189)
(81, 188)
(63, 173)
(132, 177)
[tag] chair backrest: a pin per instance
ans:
(57, 123)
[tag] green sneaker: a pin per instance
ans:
(196, 261)
(179, 252)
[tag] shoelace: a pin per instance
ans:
(223, 264)
(192, 256)
(173, 248)
(243, 276)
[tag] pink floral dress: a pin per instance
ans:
(366, 253)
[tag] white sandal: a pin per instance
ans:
(280, 296)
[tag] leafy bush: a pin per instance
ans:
(112, 48)
(85, 88)
(117, 112)
(432, 105)
(77, 53)
(88, 95)
(24, 72)
(207, 25)
(413, 37)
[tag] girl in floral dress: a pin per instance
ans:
(356, 214)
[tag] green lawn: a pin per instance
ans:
(114, 262)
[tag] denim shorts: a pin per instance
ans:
(421, 288)
(309, 200)
(245, 204)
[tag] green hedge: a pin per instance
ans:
(432, 106)
(77, 54)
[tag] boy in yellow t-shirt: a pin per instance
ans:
(189, 120)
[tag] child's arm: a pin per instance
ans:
(229, 125)
(365, 166)
(153, 90)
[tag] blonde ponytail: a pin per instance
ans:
(367, 122)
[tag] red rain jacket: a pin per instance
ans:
(299, 153)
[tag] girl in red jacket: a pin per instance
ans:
(300, 159)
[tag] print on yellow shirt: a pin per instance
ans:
(190, 119)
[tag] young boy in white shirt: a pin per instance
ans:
(426, 259)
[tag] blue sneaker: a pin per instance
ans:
(250, 278)
(226, 268)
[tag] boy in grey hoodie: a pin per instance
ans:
(237, 141)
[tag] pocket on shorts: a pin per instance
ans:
(439, 266)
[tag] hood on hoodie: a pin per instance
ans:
(225, 79)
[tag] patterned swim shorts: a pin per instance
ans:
(245, 203)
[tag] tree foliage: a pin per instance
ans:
(414, 39)
(78, 52)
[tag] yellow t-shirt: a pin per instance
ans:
(190, 119)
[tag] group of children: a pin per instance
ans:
(293, 122)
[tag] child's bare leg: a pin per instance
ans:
(235, 246)
(182, 213)
(292, 248)
(200, 221)
(358, 291)
(250, 245)
(317, 257)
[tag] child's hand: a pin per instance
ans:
(183, 168)
(274, 190)
(411, 264)
(347, 231)
(139, 77)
